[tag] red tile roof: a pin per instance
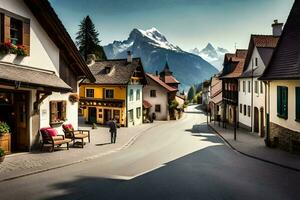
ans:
(170, 79)
(161, 83)
(238, 61)
(265, 41)
(146, 104)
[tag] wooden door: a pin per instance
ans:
(262, 123)
(22, 114)
(92, 115)
(107, 115)
(256, 120)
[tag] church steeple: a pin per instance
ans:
(166, 71)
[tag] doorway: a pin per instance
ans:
(262, 123)
(107, 115)
(256, 120)
(14, 110)
(92, 115)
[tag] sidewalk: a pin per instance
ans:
(22, 164)
(254, 146)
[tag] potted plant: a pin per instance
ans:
(2, 155)
(74, 98)
(5, 138)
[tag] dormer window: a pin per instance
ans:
(107, 70)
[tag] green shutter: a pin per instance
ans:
(298, 104)
(285, 102)
(279, 101)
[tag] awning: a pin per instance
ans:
(146, 104)
(32, 78)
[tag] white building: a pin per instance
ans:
(283, 87)
(158, 93)
(251, 90)
(36, 81)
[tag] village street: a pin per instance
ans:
(177, 160)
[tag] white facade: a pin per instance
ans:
(289, 123)
(44, 56)
(252, 98)
(134, 105)
(161, 99)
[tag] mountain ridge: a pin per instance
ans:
(154, 49)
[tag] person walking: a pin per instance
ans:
(113, 130)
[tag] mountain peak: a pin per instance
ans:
(209, 47)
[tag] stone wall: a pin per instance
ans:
(285, 136)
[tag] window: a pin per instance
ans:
(256, 62)
(256, 87)
(249, 111)
(130, 115)
(241, 108)
(244, 86)
(157, 108)
(89, 93)
(138, 112)
(245, 111)
(58, 111)
(261, 87)
(16, 31)
(298, 104)
(240, 83)
(131, 95)
(109, 93)
(138, 94)
(282, 102)
(249, 87)
(153, 93)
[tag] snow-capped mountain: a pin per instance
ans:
(154, 49)
(214, 56)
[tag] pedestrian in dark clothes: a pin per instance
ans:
(113, 130)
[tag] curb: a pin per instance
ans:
(252, 156)
(125, 146)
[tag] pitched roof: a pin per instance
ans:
(238, 61)
(265, 45)
(48, 19)
(120, 71)
(32, 77)
(146, 104)
(171, 79)
(285, 62)
(161, 83)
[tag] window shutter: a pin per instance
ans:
(26, 37)
(104, 95)
(279, 101)
(6, 29)
(298, 103)
(285, 101)
(53, 111)
(64, 110)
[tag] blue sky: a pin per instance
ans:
(186, 23)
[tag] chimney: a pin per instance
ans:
(129, 57)
(277, 28)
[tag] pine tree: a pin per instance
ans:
(87, 40)
(191, 93)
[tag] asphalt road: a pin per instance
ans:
(178, 160)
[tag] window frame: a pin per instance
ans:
(241, 108)
(131, 95)
(282, 102)
(156, 108)
(86, 92)
(256, 87)
(261, 87)
(245, 110)
(59, 115)
(138, 94)
(244, 86)
(108, 90)
(249, 111)
(130, 115)
(249, 86)
(138, 112)
(153, 93)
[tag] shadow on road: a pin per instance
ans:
(211, 173)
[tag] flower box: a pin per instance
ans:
(8, 47)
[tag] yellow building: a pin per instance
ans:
(117, 92)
